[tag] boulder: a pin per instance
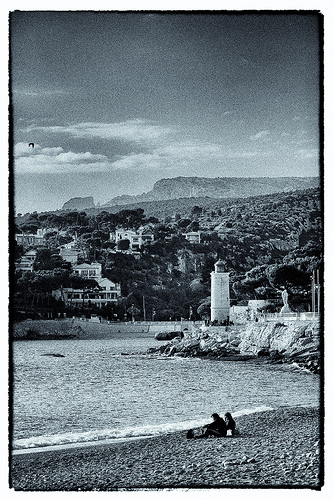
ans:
(167, 335)
(263, 352)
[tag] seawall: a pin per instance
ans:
(79, 328)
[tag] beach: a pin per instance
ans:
(279, 448)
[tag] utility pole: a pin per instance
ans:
(144, 308)
(318, 291)
(313, 291)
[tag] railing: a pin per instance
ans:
(290, 316)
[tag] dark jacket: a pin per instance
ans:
(230, 423)
(218, 425)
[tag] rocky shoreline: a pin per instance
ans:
(276, 343)
(280, 448)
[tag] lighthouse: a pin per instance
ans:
(220, 297)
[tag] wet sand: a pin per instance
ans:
(274, 449)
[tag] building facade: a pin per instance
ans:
(93, 270)
(27, 240)
(27, 261)
(193, 237)
(136, 239)
(106, 293)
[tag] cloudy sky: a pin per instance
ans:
(115, 101)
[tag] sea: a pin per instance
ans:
(76, 392)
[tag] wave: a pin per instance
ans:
(96, 436)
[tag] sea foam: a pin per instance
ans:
(96, 436)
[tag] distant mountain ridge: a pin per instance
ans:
(220, 188)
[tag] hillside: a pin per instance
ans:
(220, 187)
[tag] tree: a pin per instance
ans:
(287, 276)
(182, 223)
(196, 210)
(194, 226)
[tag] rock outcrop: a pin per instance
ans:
(79, 203)
(275, 342)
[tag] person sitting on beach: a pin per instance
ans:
(217, 428)
(230, 423)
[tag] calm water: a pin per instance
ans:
(95, 392)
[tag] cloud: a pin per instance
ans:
(23, 149)
(142, 161)
(259, 135)
(39, 160)
(137, 131)
(184, 154)
(305, 154)
(164, 155)
(32, 92)
(201, 150)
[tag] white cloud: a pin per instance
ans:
(184, 154)
(142, 161)
(201, 151)
(138, 131)
(304, 154)
(38, 92)
(23, 149)
(55, 160)
(259, 135)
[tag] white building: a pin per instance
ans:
(27, 261)
(220, 296)
(193, 237)
(136, 239)
(239, 314)
(93, 270)
(27, 240)
(255, 308)
(107, 292)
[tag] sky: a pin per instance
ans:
(114, 101)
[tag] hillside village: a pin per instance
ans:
(128, 263)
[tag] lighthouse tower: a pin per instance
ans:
(220, 298)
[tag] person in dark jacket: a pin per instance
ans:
(230, 423)
(216, 428)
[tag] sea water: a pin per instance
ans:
(106, 389)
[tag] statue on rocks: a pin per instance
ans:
(285, 308)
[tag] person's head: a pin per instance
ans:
(227, 415)
(215, 416)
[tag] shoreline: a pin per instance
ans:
(275, 448)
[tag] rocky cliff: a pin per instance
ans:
(220, 187)
(79, 203)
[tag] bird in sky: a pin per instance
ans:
(31, 144)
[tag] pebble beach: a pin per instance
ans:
(280, 448)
